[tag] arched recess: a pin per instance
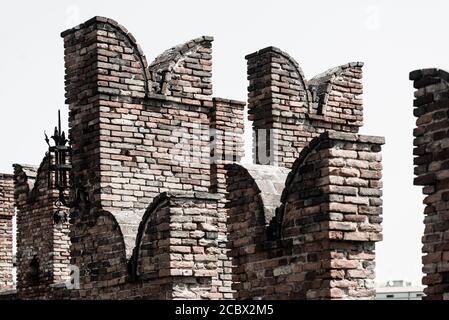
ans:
(98, 246)
(300, 187)
(253, 194)
(155, 222)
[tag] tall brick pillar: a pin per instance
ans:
(226, 135)
(226, 131)
(431, 150)
(137, 130)
(6, 231)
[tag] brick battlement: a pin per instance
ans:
(163, 208)
(290, 111)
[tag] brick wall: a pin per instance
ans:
(184, 71)
(43, 245)
(134, 141)
(431, 161)
(320, 242)
(176, 254)
(226, 134)
(130, 143)
(6, 231)
(177, 246)
(288, 111)
(161, 210)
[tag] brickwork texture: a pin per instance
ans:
(431, 151)
(161, 206)
(6, 231)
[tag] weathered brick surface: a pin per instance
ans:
(44, 255)
(6, 231)
(178, 241)
(140, 145)
(184, 71)
(160, 207)
(320, 243)
(174, 257)
(431, 150)
(130, 143)
(226, 132)
(288, 111)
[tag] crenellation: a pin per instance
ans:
(288, 111)
(161, 205)
(185, 70)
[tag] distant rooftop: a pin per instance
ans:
(399, 290)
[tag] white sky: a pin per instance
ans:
(392, 39)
